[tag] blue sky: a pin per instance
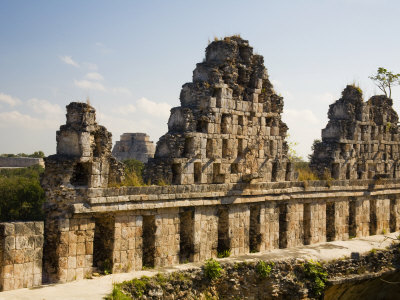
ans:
(130, 58)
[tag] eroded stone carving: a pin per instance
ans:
(361, 139)
(134, 145)
(228, 128)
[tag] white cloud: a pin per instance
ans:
(153, 108)
(89, 85)
(121, 90)
(7, 99)
(303, 114)
(40, 106)
(94, 76)
(124, 110)
(15, 119)
(69, 61)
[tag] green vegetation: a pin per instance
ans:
(264, 270)
(385, 80)
(224, 253)
(317, 276)
(133, 172)
(212, 269)
(36, 154)
(21, 196)
(117, 294)
(304, 171)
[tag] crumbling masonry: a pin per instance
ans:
(224, 150)
(361, 139)
(228, 128)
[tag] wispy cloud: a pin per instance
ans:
(69, 61)
(124, 109)
(94, 76)
(7, 99)
(121, 90)
(41, 106)
(89, 85)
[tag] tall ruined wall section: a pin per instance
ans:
(83, 161)
(228, 128)
(361, 140)
(134, 145)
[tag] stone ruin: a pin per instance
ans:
(229, 123)
(361, 139)
(134, 146)
(228, 128)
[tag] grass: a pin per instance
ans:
(263, 270)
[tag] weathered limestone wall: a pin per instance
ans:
(361, 139)
(20, 162)
(269, 226)
(228, 127)
(21, 250)
(134, 145)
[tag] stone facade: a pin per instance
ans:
(134, 146)
(361, 139)
(21, 250)
(227, 138)
(228, 127)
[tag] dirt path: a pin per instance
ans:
(99, 287)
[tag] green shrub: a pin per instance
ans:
(263, 270)
(212, 269)
(317, 276)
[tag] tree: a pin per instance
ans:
(385, 80)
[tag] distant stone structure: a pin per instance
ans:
(20, 162)
(228, 127)
(361, 139)
(134, 145)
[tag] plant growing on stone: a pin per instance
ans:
(224, 253)
(385, 80)
(212, 269)
(263, 270)
(317, 276)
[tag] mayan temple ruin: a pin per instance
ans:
(134, 146)
(361, 139)
(228, 128)
(221, 181)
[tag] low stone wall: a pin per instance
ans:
(20, 162)
(158, 226)
(21, 245)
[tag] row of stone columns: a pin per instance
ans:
(131, 240)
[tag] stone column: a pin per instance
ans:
(394, 214)
(127, 252)
(291, 231)
(74, 250)
(338, 229)
(359, 217)
(205, 233)
(314, 222)
(380, 211)
(269, 226)
(167, 237)
(239, 227)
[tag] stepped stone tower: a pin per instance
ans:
(228, 128)
(134, 145)
(361, 139)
